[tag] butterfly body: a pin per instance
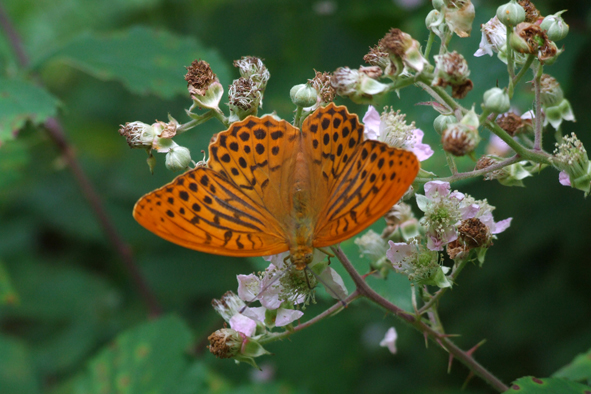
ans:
(269, 188)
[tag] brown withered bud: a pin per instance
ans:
(511, 123)
(224, 343)
(455, 249)
(548, 50)
(395, 42)
(377, 57)
(373, 71)
(528, 38)
(244, 94)
(460, 91)
(531, 12)
(484, 162)
(473, 233)
(487, 161)
(321, 83)
(459, 139)
(199, 76)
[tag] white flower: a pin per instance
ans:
(392, 129)
(494, 35)
(389, 340)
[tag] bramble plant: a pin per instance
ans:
(296, 196)
(455, 229)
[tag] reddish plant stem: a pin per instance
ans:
(465, 358)
(57, 135)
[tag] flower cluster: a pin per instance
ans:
(283, 291)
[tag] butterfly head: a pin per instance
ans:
(301, 256)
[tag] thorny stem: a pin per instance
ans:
(538, 120)
(435, 298)
(441, 339)
(471, 174)
(336, 308)
(510, 65)
(57, 135)
(522, 72)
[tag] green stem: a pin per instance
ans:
(538, 103)
(471, 174)
(219, 115)
(297, 121)
(522, 72)
(197, 120)
(451, 163)
(429, 45)
(510, 64)
(535, 155)
(441, 292)
(439, 338)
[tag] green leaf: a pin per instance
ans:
(149, 358)
(7, 294)
(578, 370)
(16, 372)
(532, 385)
(22, 101)
(143, 59)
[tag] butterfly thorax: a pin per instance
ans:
(301, 250)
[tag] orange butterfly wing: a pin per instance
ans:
(356, 181)
(235, 207)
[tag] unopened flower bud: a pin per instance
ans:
(555, 27)
(527, 38)
(459, 15)
(138, 134)
(511, 14)
(303, 95)
(442, 121)
(438, 4)
(496, 100)
(551, 93)
(178, 158)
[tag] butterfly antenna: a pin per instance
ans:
(327, 286)
(271, 283)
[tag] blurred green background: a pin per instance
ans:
(530, 301)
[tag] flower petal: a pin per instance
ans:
(389, 340)
(249, 287)
(422, 151)
(243, 324)
(434, 188)
(372, 121)
(564, 179)
(398, 251)
(256, 314)
(502, 226)
(334, 284)
(286, 316)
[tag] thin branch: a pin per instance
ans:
(538, 120)
(441, 339)
(57, 135)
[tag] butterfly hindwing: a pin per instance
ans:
(374, 179)
(204, 211)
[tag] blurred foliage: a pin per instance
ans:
(105, 63)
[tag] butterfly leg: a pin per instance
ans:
(326, 252)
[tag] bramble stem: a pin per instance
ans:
(538, 120)
(429, 45)
(57, 135)
(440, 339)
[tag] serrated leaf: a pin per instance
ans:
(16, 371)
(143, 59)
(149, 358)
(578, 370)
(532, 385)
(7, 294)
(22, 101)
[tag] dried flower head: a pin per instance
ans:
(473, 233)
(512, 123)
(199, 77)
(138, 134)
(253, 68)
(244, 94)
(494, 36)
(321, 82)
(531, 12)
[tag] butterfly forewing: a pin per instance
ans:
(375, 178)
(258, 155)
(203, 210)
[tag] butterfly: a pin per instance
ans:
(269, 187)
